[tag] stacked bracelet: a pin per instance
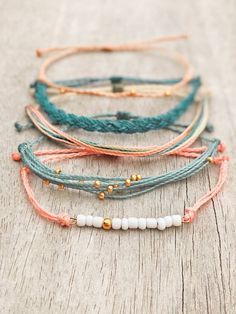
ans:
(132, 222)
(113, 188)
(118, 188)
(184, 139)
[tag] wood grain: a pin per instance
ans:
(47, 269)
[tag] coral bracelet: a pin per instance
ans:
(127, 223)
(68, 51)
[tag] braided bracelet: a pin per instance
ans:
(132, 125)
(183, 140)
(68, 51)
(132, 222)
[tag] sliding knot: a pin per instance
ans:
(221, 147)
(189, 215)
(16, 156)
(123, 115)
(64, 220)
(116, 79)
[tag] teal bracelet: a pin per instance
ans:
(120, 189)
(125, 123)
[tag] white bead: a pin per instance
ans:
(116, 223)
(176, 220)
(81, 220)
(168, 221)
(133, 222)
(142, 223)
(161, 224)
(97, 222)
(124, 224)
(89, 220)
(151, 223)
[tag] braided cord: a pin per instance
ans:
(138, 125)
(184, 139)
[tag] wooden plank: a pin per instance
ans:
(48, 269)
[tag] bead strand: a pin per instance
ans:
(129, 223)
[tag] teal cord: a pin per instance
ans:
(86, 183)
(125, 122)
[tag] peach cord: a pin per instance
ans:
(66, 220)
(63, 52)
(99, 150)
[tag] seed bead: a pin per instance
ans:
(110, 189)
(101, 196)
(97, 184)
(107, 224)
(128, 182)
(61, 187)
(138, 177)
(46, 182)
(133, 177)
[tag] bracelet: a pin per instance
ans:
(132, 222)
(125, 124)
(183, 140)
(68, 51)
(112, 188)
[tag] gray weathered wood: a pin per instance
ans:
(48, 269)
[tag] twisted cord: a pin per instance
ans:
(65, 220)
(137, 188)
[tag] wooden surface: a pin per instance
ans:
(48, 269)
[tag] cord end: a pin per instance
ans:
(20, 127)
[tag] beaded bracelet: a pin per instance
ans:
(113, 188)
(125, 124)
(132, 222)
(68, 51)
(184, 139)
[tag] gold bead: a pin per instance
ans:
(133, 92)
(133, 177)
(46, 182)
(97, 184)
(210, 159)
(110, 189)
(61, 187)
(58, 171)
(138, 177)
(167, 93)
(62, 90)
(101, 196)
(116, 186)
(128, 182)
(107, 223)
